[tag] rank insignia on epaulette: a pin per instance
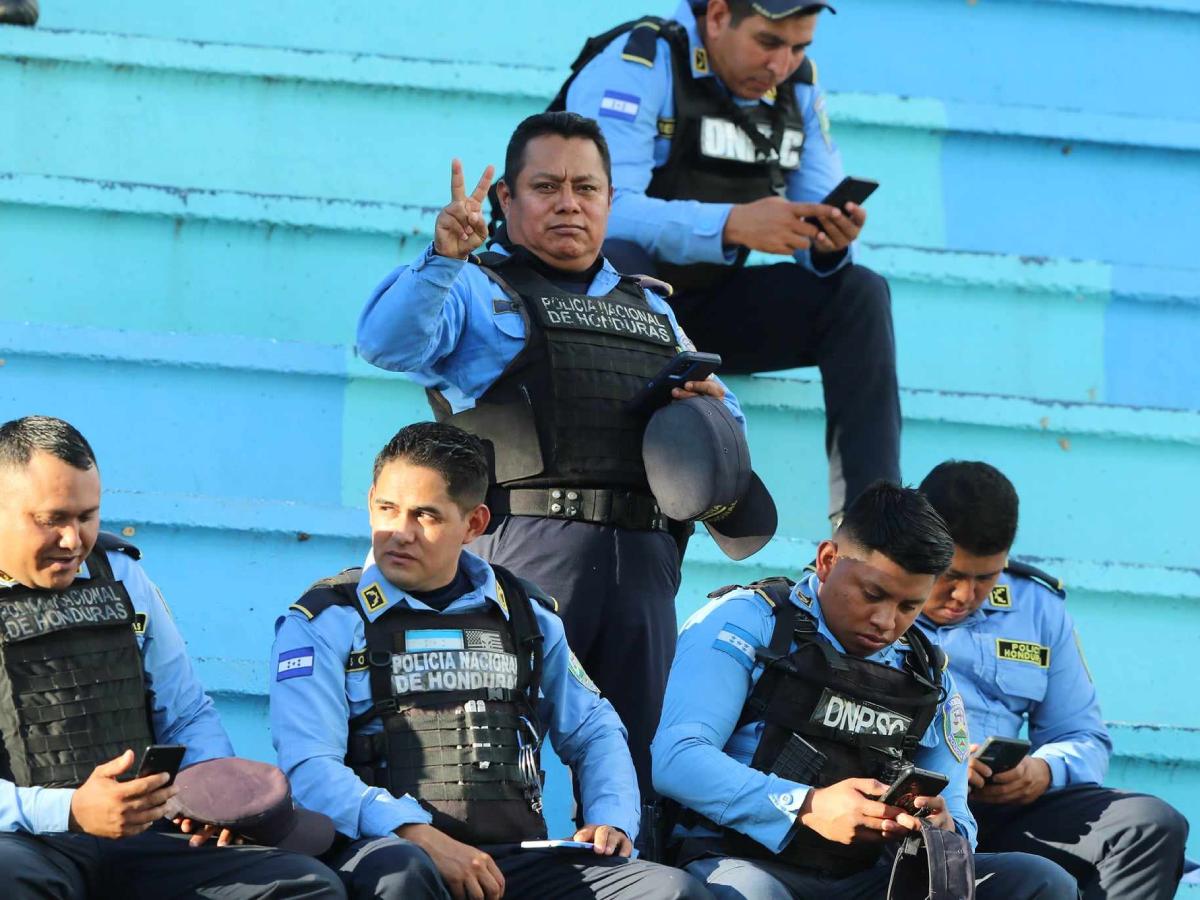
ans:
(1001, 597)
(375, 597)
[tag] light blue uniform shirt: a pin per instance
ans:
(182, 712)
(436, 321)
(704, 764)
(1018, 659)
(683, 231)
(310, 714)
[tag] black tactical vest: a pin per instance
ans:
(72, 692)
(457, 696)
(556, 416)
(720, 152)
(866, 718)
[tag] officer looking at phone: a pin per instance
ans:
(1018, 661)
(93, 669)
(721, 145)
(539, 347)
(411, 698)
(791, 708)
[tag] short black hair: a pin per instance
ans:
(564, 124)
(978, 502)
(21, 439)
(743, 9)
(902, 525)
(456, 455)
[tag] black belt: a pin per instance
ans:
(600, 506)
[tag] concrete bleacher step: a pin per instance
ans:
(299, 268)
(340, 124)
(314, 415)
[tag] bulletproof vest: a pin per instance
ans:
(720, 152)
(457, 696)
(72, 692)
(557, 416)
(830, 716)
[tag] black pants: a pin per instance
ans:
(391, 868)
(766, 318)
(1117, 845)
(156, 865)
(616, 595)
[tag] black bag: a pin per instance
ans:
(933, 864)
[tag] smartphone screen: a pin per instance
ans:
(161, 758)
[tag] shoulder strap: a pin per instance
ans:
(1024, 570)
(110, 543)
(527, 636)
(338, 590)
(926, 659)
(641, 47)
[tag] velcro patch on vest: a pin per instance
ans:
(1023, 651)
(842, 713)
(598, 314)
(295, 663)
(724, 139)
(452, 670)
(82, 605)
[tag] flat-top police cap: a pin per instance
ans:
(698, 465)
(778, 9)
(254, 800)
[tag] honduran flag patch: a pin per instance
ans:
(620, 106)
(294, 663)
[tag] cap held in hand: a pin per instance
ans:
(254, 800)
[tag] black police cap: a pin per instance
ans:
(778, 9)
(698, 465)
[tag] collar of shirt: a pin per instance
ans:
(8, 582)
(806, 596)
(377, 595)
(701, 68)
(606, 279)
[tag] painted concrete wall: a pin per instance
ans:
(195, 203)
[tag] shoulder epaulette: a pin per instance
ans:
(1024, 570)
(642, 44)
(538, 595)
(110, 543)
(339, 590)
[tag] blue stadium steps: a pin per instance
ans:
(193, 207)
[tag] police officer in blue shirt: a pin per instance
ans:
(1018, 661)
(791, 707)
(721, 145)
(537, 346)
(411, 697)
(91, 669)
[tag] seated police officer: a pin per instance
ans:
(791, 707)
(411, 697)
(537, 346)
(721, 145)
(91, 669)
(1017, 659)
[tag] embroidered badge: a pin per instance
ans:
(575, 667)
(700, 59)
(139, 623)
(374, 597)
(433, 639)
(738, 643)
(294, 664)
(823, 120)
(616, 105)
(1023, 651)
(1001, 597)
(954, 724)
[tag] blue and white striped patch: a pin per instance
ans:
(433, 639)
(738, 643)
(294, 663)
(620, 106)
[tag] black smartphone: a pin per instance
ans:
(850, 190)
(1001, 754)
(690, 365)
(161, 758)
(912, 783)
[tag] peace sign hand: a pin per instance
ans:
(460, 228)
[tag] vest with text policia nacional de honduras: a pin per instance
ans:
(557, 416)
(457, 698)
(72, 690)
(720, 152)
(866, 718)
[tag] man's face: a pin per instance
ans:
(964, 586)
(867, 600)
(417, 530)
(49, 520)
(756, 54)
(561, 201)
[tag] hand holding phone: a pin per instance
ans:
(687, 366)
(1002, 754)
(910, 784)
(161, 758)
